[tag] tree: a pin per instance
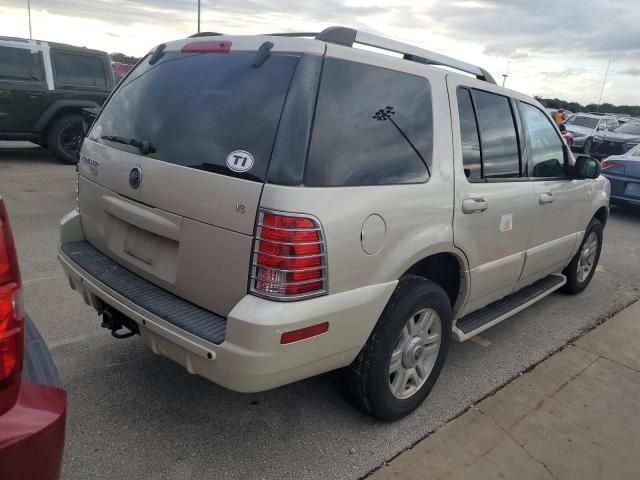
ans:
(122, 58)
(633, 110)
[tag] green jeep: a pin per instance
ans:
(43, 89)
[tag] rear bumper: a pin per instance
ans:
(32, 431)
(251, 358)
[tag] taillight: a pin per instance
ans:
(289, 257)
(218, 46)
(11, 309)
(611, 164)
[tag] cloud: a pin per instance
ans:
(546, 26)
(631, 71)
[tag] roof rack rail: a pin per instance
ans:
(205, 34)
(348, 36)
(292, 34)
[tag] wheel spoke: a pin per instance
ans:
(396, 361)
(399, 384)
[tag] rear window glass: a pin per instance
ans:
(373, 126)
(20, 64)
(198, 109)
(80, 70)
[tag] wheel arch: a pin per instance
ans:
(602, 214)
(57, 109)
(449, 270)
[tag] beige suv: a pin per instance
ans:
(262, 209)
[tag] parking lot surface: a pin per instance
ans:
(132, 414)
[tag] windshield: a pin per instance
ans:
(578, 121)
(200, 110)
(632, 128)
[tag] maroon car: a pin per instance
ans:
(32, 404)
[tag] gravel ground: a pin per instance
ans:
(136, 415)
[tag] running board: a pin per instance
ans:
(492, 314)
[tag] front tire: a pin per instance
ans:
(64, 137)
(587, 145)
(583, 265)
(403, 357)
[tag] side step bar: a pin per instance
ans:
(480, 320)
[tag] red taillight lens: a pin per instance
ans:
(611, 164)
(11, 311)
(289, 257)
(207, 47)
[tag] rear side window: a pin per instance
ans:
(20, 64)
(79, 70)
(373, 126)
(469, 133)
(547, 154)
(199, 110)
(500, 152)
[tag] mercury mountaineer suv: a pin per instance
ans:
(262, 209)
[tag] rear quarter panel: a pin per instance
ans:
(417, 217)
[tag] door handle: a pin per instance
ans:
(474, 205)
(35, 94)
(545, 198)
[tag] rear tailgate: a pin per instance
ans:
(185, 221)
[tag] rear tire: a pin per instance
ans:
(584, 263)
(382, 381)
(64, 137)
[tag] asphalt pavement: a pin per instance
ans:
(132, 414)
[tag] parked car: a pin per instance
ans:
(43, 88)
(624, 120)
(623, 171)
(305, 217)
(32, 403)
(585, 126)
(616, 142)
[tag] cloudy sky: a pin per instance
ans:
(553, 47)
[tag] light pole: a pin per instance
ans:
(506, 74)
(29, 13)
(198, 16)
(603, 85)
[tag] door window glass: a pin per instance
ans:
(20, 64)
(471, 158)
(500, 153)
(547, 154)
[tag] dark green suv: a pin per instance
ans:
(43, 89)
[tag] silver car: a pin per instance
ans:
(585, 126)
(262, 209)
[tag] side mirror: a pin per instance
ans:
(602, 127)
(586, 167)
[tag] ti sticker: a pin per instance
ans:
(506, 223)
(240, 161)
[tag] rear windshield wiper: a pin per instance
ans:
(142, 145)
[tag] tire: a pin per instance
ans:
(64, 137)
(587, 145)
(577, 282)
(369, 380)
